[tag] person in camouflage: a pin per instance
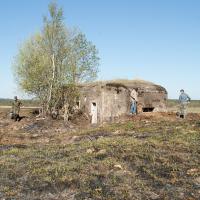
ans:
(184, 99)
(16, 109)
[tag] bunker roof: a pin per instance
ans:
(129, 84)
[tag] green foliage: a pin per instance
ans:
(54, 57)
(83, 60)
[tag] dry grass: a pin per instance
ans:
(144, 157)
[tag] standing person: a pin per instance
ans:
(16, 108)
(134, 99)
(133, 106)
(184, 99)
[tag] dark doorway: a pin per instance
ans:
(148, 109)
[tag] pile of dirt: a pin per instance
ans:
(32, 129)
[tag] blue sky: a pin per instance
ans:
(154, 40)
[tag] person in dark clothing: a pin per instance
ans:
(16, 109)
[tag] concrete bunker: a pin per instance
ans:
(108, 100)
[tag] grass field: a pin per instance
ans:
(144, 157)
(193, 106)
(27, 103)
(172, 105)
(149, 156)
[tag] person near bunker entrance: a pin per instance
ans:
(184, 99)
(134, 101)
(133, 106)
(16, 109)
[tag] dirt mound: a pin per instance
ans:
(31, 129)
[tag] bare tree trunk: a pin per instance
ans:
(51, 84)
(66, 112)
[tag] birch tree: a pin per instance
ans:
(53, 58)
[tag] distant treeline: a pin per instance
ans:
(25, 102)
(34, 102)
(174, 102)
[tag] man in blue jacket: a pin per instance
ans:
(184, 99)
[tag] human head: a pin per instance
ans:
(182, 90)
(15, 97)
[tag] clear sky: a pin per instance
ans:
(154, 40)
